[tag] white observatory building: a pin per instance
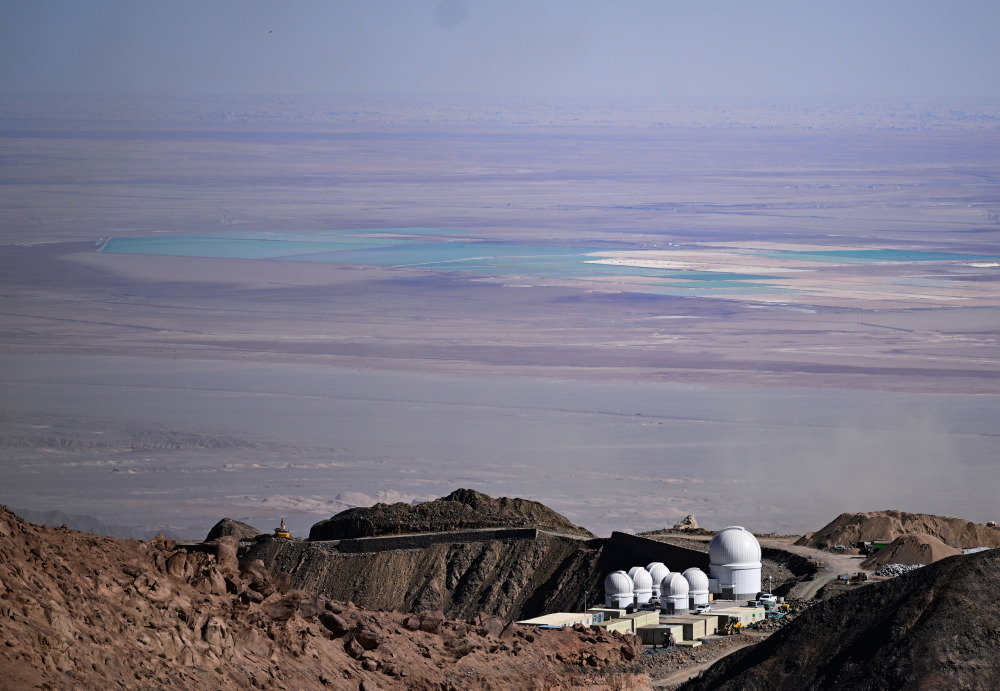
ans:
(674, 594)
(697, 586)
(734, 563)
(657, 570)
(618, 590)
(642, 585)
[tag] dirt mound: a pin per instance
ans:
(227, 526)
(927, 629)
(911, 549)
(81, 611)
(463, 509)
(850, 528)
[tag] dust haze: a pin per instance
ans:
(634, 262)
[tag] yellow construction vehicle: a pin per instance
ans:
(733, 628)
(282, 531)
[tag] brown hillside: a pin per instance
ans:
(914, 548)
(79, 611)
(463, 509)
(851, 528)
(933, 628)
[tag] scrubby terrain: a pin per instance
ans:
(463, 509)
(849, 528)
(82, 611)
(932, 628)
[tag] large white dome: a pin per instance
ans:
(618, 584)
(641, 580)
(734, 545)
(678, 586)
(697, 580)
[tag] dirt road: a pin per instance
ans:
(682, 675)
(836, 564)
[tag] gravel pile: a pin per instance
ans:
(893, 570)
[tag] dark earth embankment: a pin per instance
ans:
(512, 579)
(463, 509)
(934, 628)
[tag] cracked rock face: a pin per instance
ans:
(82, 611)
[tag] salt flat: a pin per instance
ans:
(168, 391)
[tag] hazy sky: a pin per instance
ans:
(659, 49)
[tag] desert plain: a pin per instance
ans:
(762, 317)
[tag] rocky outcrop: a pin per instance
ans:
(463, 509)
(227, 526)
(82, 611)
(850, 528)
(687, 523)
(928, 629)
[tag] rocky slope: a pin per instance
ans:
(81, 611)
(850, 528)
(463, 509)
(933, 628)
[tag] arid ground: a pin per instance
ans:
(847, 361)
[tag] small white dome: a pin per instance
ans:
(618, 584)
(641, 580)
(678, 586)
(697, 580)
(657, 570)
(734, 545)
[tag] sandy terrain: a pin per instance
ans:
(166, 391)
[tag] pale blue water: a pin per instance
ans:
(444, 250)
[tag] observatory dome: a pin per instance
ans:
(641, 579)
(657, 570)
(618, 583)
(698, 584)
(734, 545)
(734, 559)
(678, 586)
(674, 594)
(642, 584)
(697, 580)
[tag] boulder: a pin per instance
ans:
(224, 550)
(227, 527)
